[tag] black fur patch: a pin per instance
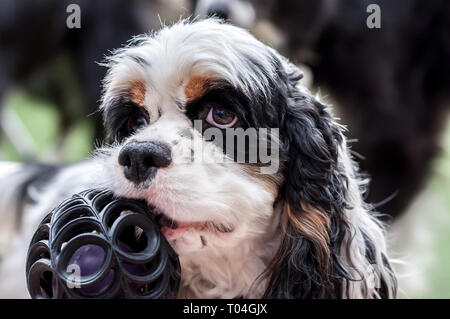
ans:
(38, 176)
(116, 116)
(313, 175)
(253, 112)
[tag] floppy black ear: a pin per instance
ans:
(311, 261)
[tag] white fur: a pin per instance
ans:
(354, 245)
(70, 181)
(7, 207)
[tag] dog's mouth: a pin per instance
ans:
(166, 222)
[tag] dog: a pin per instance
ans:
(390, 84)
(241, 230)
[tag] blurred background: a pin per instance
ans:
(386, 72)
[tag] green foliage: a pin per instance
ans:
(42, 123)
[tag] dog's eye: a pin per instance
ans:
(136, 122)
(221, 117)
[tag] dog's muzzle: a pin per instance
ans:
(141, 160)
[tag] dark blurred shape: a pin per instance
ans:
(220, 10)
(33, 34)
(392, 84)
(239, 12)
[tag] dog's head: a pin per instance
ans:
(212, 129)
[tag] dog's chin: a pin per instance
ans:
(187, 237)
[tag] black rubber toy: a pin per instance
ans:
(94, 245)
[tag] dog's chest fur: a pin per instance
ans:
(229, 272)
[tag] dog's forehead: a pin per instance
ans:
(180, 62)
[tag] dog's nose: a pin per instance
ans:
(142, 159)
(220, 10)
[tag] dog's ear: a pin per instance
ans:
(316, 258)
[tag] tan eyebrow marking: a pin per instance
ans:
(197, 86)
(137, 92)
